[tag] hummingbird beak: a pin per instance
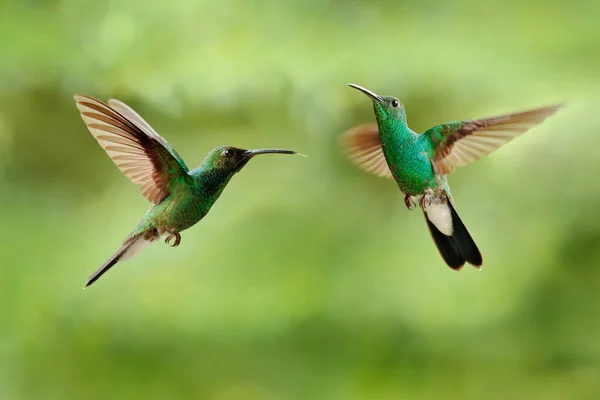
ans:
(252, 153)
(373, 96)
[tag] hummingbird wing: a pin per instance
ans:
(459, 143)
(141, 123)
(363, 146)
(139, 152)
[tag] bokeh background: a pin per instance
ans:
(309, 279)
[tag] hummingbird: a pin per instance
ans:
(419, 163)
(180, 197)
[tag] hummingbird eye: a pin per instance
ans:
(227, 153)
(395, 103)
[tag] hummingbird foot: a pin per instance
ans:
(410, 201)
(172, 236)
(427, 198)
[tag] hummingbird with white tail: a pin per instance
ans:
(419, 163)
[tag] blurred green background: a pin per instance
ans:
(309, 279)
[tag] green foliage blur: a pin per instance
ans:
(308, 279)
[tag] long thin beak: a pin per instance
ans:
(252, 153)
(373, 96)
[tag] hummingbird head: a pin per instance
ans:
(388, 109)
(232, 159)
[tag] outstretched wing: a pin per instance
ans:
(141, 123)
(143, 156)
(459, 143)
(363, 146)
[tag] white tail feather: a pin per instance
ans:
(441, 217)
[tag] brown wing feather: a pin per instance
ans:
(460, 143)
(139, 155)
(363, 146)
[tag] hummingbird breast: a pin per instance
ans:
(182, 209)
(410, 165)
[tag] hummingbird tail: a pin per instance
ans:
(458, 247)
(127, 250)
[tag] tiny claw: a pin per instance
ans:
(172, 236)
(410, 204)
(426, 199)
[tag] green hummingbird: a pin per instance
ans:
(420, 162)
(180, 197)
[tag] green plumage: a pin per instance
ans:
(190, 199)
(419, 163)
(181, 197)
(407, 154)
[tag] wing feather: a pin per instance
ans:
(141, 123)
(363, 146)
(459, 143)
(139, 152)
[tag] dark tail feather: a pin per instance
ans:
(115, 258)
(458, 248)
